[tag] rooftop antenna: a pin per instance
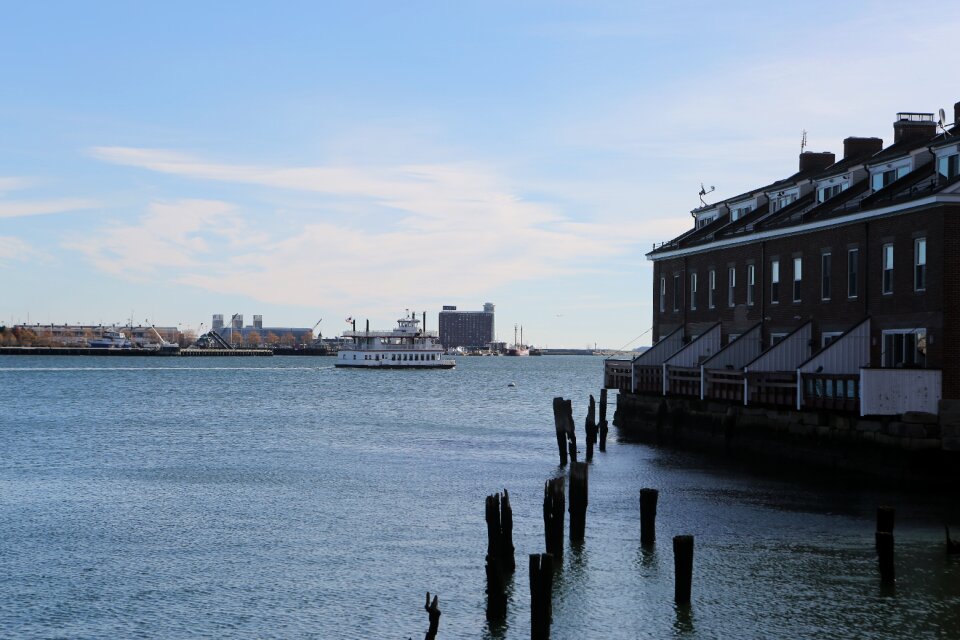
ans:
(803, 141)
(703, 192)
(942, 123)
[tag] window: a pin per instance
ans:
(853, 255)
(920, 264)
(781, 200)
(797, 278)
(693, 292)
(904, 348)
(663, 295)
(676, 293)
(776, 338)
(949, 166)
(883, 178)
(712, 288)
(829, 336)
(826, 264)
(732, 337)
(751, 283)
(829, 191)
(775, 282)
(888, 268)
(731, 286)
(739, 212)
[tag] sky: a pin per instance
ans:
(315, 161)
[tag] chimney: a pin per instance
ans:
(911, 127)
(814, 161)
(854, 147)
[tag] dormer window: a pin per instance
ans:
(828, 191)
(706, 219)
(948, 166)
(783, 198)
(738, 212)
(880, 179)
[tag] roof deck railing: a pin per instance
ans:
(912, 116)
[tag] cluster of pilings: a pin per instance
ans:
(500, 561)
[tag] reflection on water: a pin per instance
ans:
(273, 499)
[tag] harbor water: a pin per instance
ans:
(283, 498)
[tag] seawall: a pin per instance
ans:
(918, 449)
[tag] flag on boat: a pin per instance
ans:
(349, 319)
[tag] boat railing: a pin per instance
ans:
(397, 347)
(390, 333)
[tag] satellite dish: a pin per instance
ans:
(943, 118)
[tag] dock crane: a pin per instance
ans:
(319, 335)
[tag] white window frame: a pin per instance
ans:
(663, 294)
(677, 297)
(712, 288)
(797, 281)
(731, 286)
(826, 275)
(751, 284)
(828, 337)
(693, 291)
(920, 264)
(887, 258)
(889, 358)
(774, 282)
(853, 260)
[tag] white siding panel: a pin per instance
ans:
(738, 353)
(846, 354)
(787, 354)
(886, 392)
(706, 345)
(659, 352)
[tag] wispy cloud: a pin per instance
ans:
(12, 183)
(457, 229)
(12, 248)
(19, 209)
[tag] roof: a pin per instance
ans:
(858, 197)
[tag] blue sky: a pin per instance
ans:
(324, 160)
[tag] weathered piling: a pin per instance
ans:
(683, 568)
(578, 501)
(884, 543)
(500, 563)
(553, 507)
(433, 611)
(603, 420)
(560, 424)
(885, 519)
(571, 431)
(648, 516)
(591, 428)
(885, 556)
(541, 595)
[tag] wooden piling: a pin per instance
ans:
(506, 534)
(648, 516)
(560, 425)
(683, 568)
(591, 428)
(578, 501)
(571, 431)
(885, 556)
(433, 611)
(541, 595)
(885, 519)
(603, 420)
(553, 507)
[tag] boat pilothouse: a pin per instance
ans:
(405, 347)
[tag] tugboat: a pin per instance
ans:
(405, 347)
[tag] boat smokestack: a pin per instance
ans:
(368, 326)
(424, 322)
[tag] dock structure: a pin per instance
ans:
(86, 351)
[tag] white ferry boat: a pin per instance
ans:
(110, 340)
(405, 347)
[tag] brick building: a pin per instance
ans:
(467, 329)
(836, 287)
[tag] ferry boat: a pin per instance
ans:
(405, 347)
(110, 340)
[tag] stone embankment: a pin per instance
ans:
(914, 447)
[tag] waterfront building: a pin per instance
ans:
(837, 287)
(257, 334)
(467, 329)
(79, 335)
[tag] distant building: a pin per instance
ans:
(217, 324)
(237, 334)
(258, 322)
(468, 329)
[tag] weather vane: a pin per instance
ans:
(803, 141)
(703, 192)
